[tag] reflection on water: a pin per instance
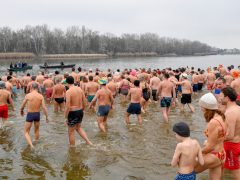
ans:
(129, 153)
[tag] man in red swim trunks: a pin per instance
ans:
(232, 140)
(5, 97)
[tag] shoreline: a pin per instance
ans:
(30, 56)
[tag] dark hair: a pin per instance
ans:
(222, 79)
(209, 114)
(166, 75)
(70, 80)
(9, 77)
(230, 93)
(79, 69)
(33, 78)
(136, 83)
(56, 72)
(90, 78)
(28, 74)
(73, 69)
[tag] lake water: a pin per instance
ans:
(124, 153)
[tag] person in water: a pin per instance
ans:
(186, 153)
(215, 132)
(75, 104)
(105, 102)
(35, 101)
(228, 98)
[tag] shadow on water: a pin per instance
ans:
(35, 165)
(73, 167)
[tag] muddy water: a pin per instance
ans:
(128, 153)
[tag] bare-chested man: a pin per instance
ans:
(186, 93)
(211, 77)
(154, 85)
(232, 140)
(228, 79)
(134, 107)
(195, 79)
(58, 95)
(33, 81)
(105, 103)
(74, 75)
(166, 91)
(75, 104)
(9, 85)
(35, 101)
(5, 97)
(48, 86)
(40, 79)
(25, 80)
(236, 86)
(201, 80)
(91, 89)
(112, 86)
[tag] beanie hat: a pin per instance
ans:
(2, 85)
(182, 129)
(208, 101)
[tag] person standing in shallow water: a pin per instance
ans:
(213, 152)
(134, 107)
(75, 104)
(166, 91)
(186, 152)
(105, 103)
(5, 96)
(35, 101)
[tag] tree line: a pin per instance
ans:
(42, 40)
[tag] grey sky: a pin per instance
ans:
(215, 22)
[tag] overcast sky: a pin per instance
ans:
(216, 22)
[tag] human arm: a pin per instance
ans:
(200, 155)
(11, 101)
(67, 107)
(212, 137)
(44, 109)
(23, 105)
(231, 124)
(176, 156)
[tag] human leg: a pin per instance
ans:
(36, 129)
(27, 128)
(82, 133)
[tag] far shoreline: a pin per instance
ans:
(32, 57)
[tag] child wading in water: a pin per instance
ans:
(186, 153)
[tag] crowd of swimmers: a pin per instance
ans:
(74, 92)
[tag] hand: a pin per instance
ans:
(47, 119)
(65, 123)
(174, 104)
(22, 113)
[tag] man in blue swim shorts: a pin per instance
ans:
(135, 95)
(105, 103)
(166, 91)
(35, 101)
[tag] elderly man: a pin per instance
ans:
(35, 101)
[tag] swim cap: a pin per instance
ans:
(208, 101)
(184, 75)
(2, 85)
(182, 129)
(103, 81)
